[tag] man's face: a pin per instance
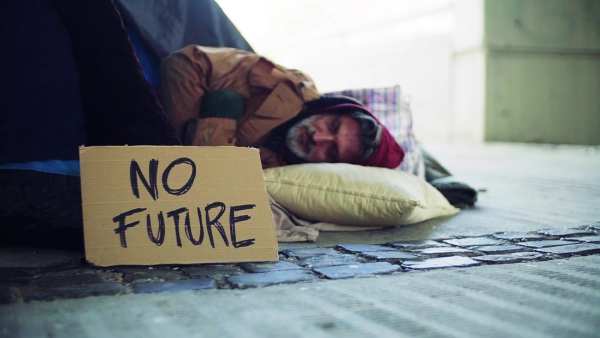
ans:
(325, 138)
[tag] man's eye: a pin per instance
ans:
(336, 124)
(333, 153)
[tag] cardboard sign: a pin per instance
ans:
(146, 205)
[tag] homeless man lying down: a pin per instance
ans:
(216, 97)
(224, 96)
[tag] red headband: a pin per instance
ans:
(388, 154)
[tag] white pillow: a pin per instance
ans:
(351, 194)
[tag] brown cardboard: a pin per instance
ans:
(227, 179)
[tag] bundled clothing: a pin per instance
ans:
(271, 96)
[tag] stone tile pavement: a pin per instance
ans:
(71, 277)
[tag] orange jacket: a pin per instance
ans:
(272, 95)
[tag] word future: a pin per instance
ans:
(213, 212)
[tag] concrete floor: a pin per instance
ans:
(526, 187)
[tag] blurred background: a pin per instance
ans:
(475, 70)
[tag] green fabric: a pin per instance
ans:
(224, 104)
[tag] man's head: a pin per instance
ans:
(345, 133)
(347, 137)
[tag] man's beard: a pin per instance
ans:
(294, 135)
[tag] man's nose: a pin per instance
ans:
(319, 138)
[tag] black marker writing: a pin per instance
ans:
(120, 230)
(215, 222)
(150, 183)
(187, 185)
(233, 219)
(175, 215)
(188, 230)
(135, 172)
(160, 236)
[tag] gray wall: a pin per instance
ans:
(542, 75)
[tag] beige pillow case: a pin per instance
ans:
(350, 194)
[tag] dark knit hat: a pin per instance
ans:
(388, 154)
